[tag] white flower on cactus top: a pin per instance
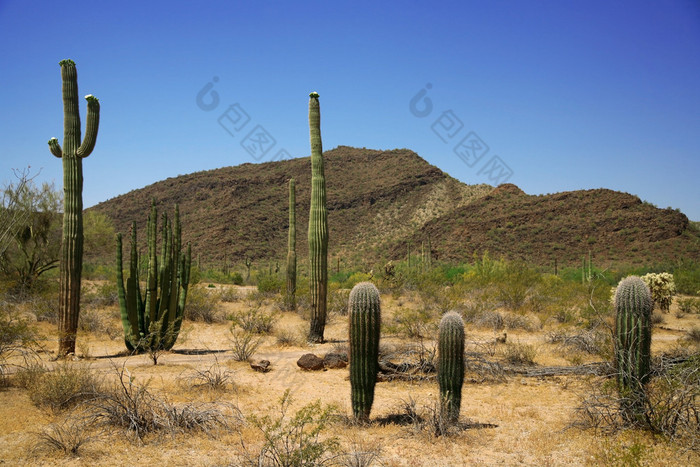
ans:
(314, 94)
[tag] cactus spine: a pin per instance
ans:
(318, 226)
(153, 322)
(451, 363)
(72, 154)
(365, 319)
(633, 308)
(292, 249)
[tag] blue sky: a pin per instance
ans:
(565, 95)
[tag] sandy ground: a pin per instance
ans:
(531, 417)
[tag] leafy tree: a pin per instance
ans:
(32, 238)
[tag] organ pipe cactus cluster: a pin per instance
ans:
(152, 322)
(318, 226)
(633, 308)
(292, 250)
(451, 363)
(72, 154)
(365, 319)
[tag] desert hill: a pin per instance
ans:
(379, 202)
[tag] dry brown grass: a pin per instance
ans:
(532, 416)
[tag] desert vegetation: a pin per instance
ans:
(540, 381)
(408, 356)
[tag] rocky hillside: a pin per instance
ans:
(379, 202)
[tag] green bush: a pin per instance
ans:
(61, 388)
(268, 282)
(686, 275)
(202, 305)
(293, 440)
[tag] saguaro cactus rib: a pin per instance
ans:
(72, 154)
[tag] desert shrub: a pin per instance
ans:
(101, 296)
(354, 279)
(518, 321)
(362, 453)
(515, 283)
(432, 419)
(229, 295)
(689, 305)
(93, 321)
(338, 300)
(67, 437)
(244, 343)
(686, 276)
(215, 378)
(517, 353)
(295, 440)
(590, 341)
(412, 323)
(255, 319)
(662, 289)
(489, 319)
(693, 335)
(61, 388)
(657, 319)
(202, 305)
(135, 409)
(288, 338)
(269, 282)
(670, 406)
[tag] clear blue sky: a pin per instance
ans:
(569, 95)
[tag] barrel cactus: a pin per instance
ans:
(318, 226)
(152, 322)
(364, 310)
(72, 154)
(633, 308)
(292, 250)
(451, 363)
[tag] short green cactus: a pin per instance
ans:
(153, 322)
(72, 154)
(633, 308)
(451, 363)
(290, 298)
(318, 226)
(364, 310)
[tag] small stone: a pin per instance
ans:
(263, 366)
(335, 360)
(310, 362)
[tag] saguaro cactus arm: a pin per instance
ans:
(93, 124)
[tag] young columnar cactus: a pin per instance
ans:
(365, 319)
(318, 226)
(72, 154)
(153, 322)
(451, 363)
(292, 250)
(633, 307)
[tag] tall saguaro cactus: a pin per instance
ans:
(292, 249)
(72, 154)
(365, 320)
(153, 322)
(633, 308)
(318, 226)
(451, 363)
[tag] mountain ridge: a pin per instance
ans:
(380, 202)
